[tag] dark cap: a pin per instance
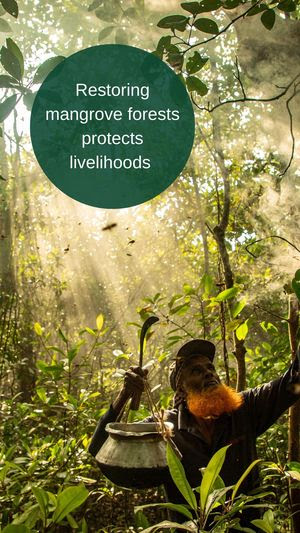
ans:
(197, 347)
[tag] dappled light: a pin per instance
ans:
(216, 257)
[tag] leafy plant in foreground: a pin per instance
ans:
(50, 510)
(212, 505)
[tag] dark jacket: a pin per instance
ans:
(260, 409)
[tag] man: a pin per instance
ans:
(208, 415)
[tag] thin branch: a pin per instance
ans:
(223, 334)
(246, 98)
(191, 29)
(11, 139)
(291, 128)
(233, 21)
(238, 77)
(212, 153)
(269, 237)
(179, 326)
(271, 313)
(209, 228)
(180, 38)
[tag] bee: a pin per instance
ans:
(109, 226)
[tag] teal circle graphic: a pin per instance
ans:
(112, 126)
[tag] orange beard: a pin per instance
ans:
(214, 401)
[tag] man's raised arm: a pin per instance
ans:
(267, 402)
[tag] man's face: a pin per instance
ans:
(199, 374)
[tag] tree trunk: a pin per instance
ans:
(294, 414)
(219, 233)
(202, 223)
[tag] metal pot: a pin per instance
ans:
(134, 455)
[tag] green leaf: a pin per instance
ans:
(267, 523)
(173, 22)
(227, 294)
(201, 7)
(194, 84)
(207, 26)
(218, 494)
(130, 12)
(105, 33)
(210, 474)
(94, 5)
(296, 284)
(220, 489)
(243, 476)
(41, 392)
(7, 106)
(256, 9)
(188, 289)
(242, 331)
(163, 43)
(293, 465)
(1, 135)
(297, 275)
(14, 528)
(84, 526)
(7, 82)
(207, 283)
(108, 15)
(182, 509)
(11, 7)
(90, 331)
(3, 472)
(46, 67)
(72, 353)
(191, 7)
(287, 6)
(28, 99)
(173, 299)
(141, 522)
(4, 26)
(42, 498)
(294, 474)
(269, 517)
(11, 63)
(175, 59)
(267, 346)
(180, 310)
(52, 498)
(209, 5)
(166, 524)
(178, 475)
(54, 369)
(38, 329)
(68, 501)
(62, 336)
(231, 4)
(99, 322)
(238, 307)
(15, 50)
(268, 18)
(72, 522)
(195, 63)
(215, 498)
(121, 36)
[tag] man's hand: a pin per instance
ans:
(134, 381)
(132, 388)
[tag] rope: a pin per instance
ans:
(158, 416)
